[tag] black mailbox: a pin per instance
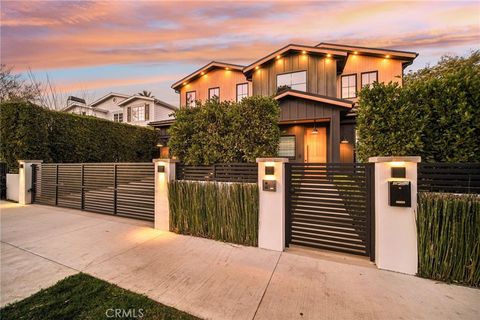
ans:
(269, 185)
(399, 194)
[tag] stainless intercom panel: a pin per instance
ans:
(269, 185)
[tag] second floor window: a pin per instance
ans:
(118, 117)
(349, 86)
(293, 80)
(214, 93)
(242, 91)
(138, 113)
(368, 78)
(190, 98)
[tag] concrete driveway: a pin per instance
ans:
(41, 245)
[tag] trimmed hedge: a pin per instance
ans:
(448, 227)
(435, 114)
(220, 211)
(28, 131)
(226, 132)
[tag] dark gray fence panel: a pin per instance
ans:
(123, 189)
(449, 177)
(222, 172)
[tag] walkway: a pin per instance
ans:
(41, 245)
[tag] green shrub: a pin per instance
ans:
(31, 132)
(220, 211)
(435, 114)
(448, 228)
(223, 132)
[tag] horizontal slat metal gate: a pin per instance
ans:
(123, 189)
(330, 206)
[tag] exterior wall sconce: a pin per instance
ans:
(314, 131)
(344, 141)
(21, 165)
(398, 172)
(270, 170)
(161, 169)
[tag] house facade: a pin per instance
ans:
(135, 109)
(316, 87)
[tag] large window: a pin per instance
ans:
(190, 98)
(214, 93)
(138, 113)
(349, 86)
(368, 78)
(294, 80)
(118, 117)
(242, 91)
(287, 147)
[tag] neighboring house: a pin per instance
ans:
(136, 109)
(316, 87)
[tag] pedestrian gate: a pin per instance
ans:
(123, 189)
(331, 206)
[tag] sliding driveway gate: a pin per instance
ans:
(123, 189)
(331, 206)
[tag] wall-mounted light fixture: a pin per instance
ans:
(161, 169)
(269, 170)
(21, 165)
(398, 172)
(314, 130)
(344, 141)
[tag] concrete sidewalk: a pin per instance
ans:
(214, 280)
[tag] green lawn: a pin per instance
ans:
(84, 297)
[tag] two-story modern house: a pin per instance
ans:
(316, 87)
(135, 109)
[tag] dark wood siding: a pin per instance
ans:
(296, 109)
(300, 109)
(321, 74)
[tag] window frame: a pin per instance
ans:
(194, 100)
(361, 77)
(294, 146)
(138, 108)
(209, 89)
(236, 90)
(356, 85)
(118, 114)
(290, 72)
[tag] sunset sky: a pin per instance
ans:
(126, 46)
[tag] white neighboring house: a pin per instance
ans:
(136, 109)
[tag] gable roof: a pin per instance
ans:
(154, 100)
(315, 97)
(206, 68)
(395, 54)
(294, 47)
(84, 107)
(111, 94)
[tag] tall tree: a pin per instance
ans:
(146, 93)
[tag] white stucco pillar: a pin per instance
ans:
(395, 227)
(25, 180)
(164, 173)
(271, 215)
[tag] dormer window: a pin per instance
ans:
(293, 80)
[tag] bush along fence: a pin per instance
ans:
(449, 237)
(215, 210)
(31, 132)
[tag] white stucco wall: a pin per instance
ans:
(12, 186)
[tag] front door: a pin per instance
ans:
(316, 145)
